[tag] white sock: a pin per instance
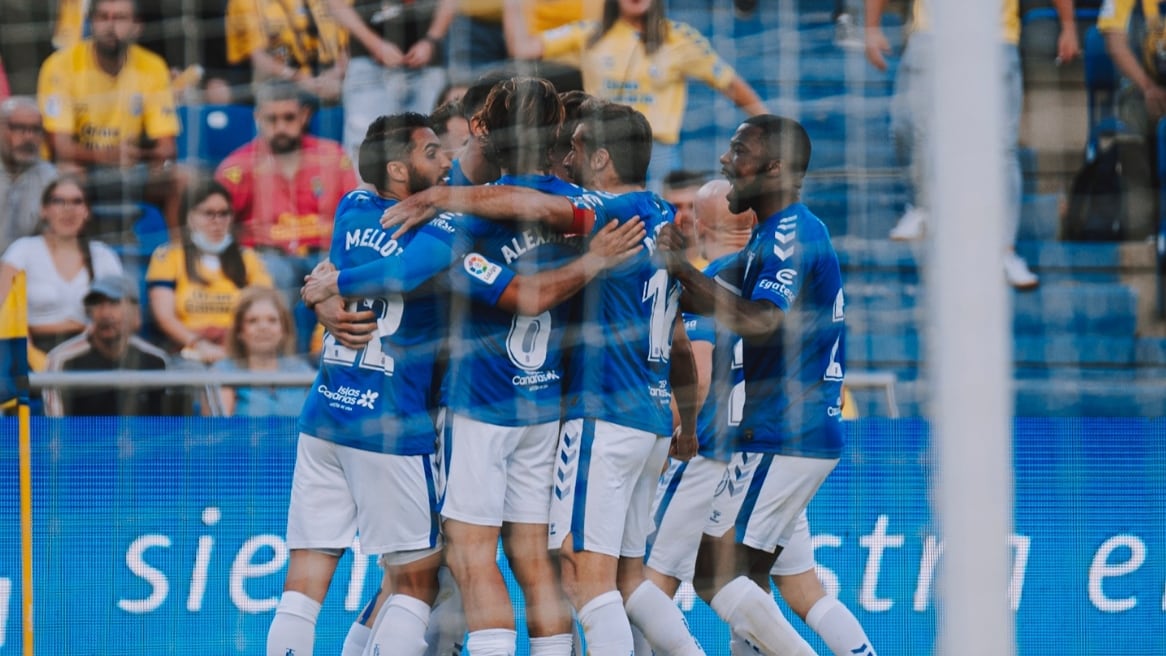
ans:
(447, 621)
(643, 647)
(660, 620)
(605, 626)
(356, 639)
(839, 628)
(400, 627)
(293, 629)
(739, 646)
(492, 642)
(556, 645)
(752, 614)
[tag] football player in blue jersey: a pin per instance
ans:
(365, 432)
(619, 395)
(503, 379)
(685, 491)
(782, 294)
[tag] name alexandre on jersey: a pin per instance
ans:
(529, 239)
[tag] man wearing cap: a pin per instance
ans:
(108, 344)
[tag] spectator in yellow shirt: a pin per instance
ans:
(109, 113)
(294, 40)
(193, 285)
(638, 57)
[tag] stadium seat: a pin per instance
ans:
(328, 122)
(1101, 86)
(211, 132)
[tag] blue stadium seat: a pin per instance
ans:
(1101, 86)
(328, 122)
(211, 132)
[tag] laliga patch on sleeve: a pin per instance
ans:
(479, 267)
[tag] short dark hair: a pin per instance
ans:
(521, 118)
(441, 116)
(388, 139)
(475, 96)
(93, 8)
(786, 141)
(573, 102)
(278, 91)
(683, 179)
(624, 133)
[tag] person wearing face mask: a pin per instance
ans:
(194, 284)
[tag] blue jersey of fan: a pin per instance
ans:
(793, 378)
(378, 398)
(621, 361)
(506, 369)
(720, 414)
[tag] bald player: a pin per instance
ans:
(685, 492)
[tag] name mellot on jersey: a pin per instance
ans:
(374, 238)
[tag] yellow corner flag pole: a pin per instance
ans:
(14, 355)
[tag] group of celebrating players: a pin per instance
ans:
(506, 358)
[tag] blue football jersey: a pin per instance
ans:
(720, 414)
(378, 398)
(507, 369)
(793, 378)
(622, 352)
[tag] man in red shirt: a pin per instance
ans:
(285, 186)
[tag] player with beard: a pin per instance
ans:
(489, 290)
(285, 187)
(782, 294)
(366, 437)
(617, 408)
(109, 114)
(685, 491)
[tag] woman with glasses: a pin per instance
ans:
(59, 261)
(194, 284)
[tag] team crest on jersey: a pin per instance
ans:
(136, 105)
(233, 174)
(317, 187)
(479, 267)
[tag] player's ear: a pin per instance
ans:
(773, 168)
(600, 159)
(398, 172)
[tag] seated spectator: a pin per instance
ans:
(25, 174)
(260, 339)
(284, 187)
(109, 113)
(1142, 101)
(451, 128)
(194, 284)
(681, 188)
(293, 40)
(60, 263)
(109, 344)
